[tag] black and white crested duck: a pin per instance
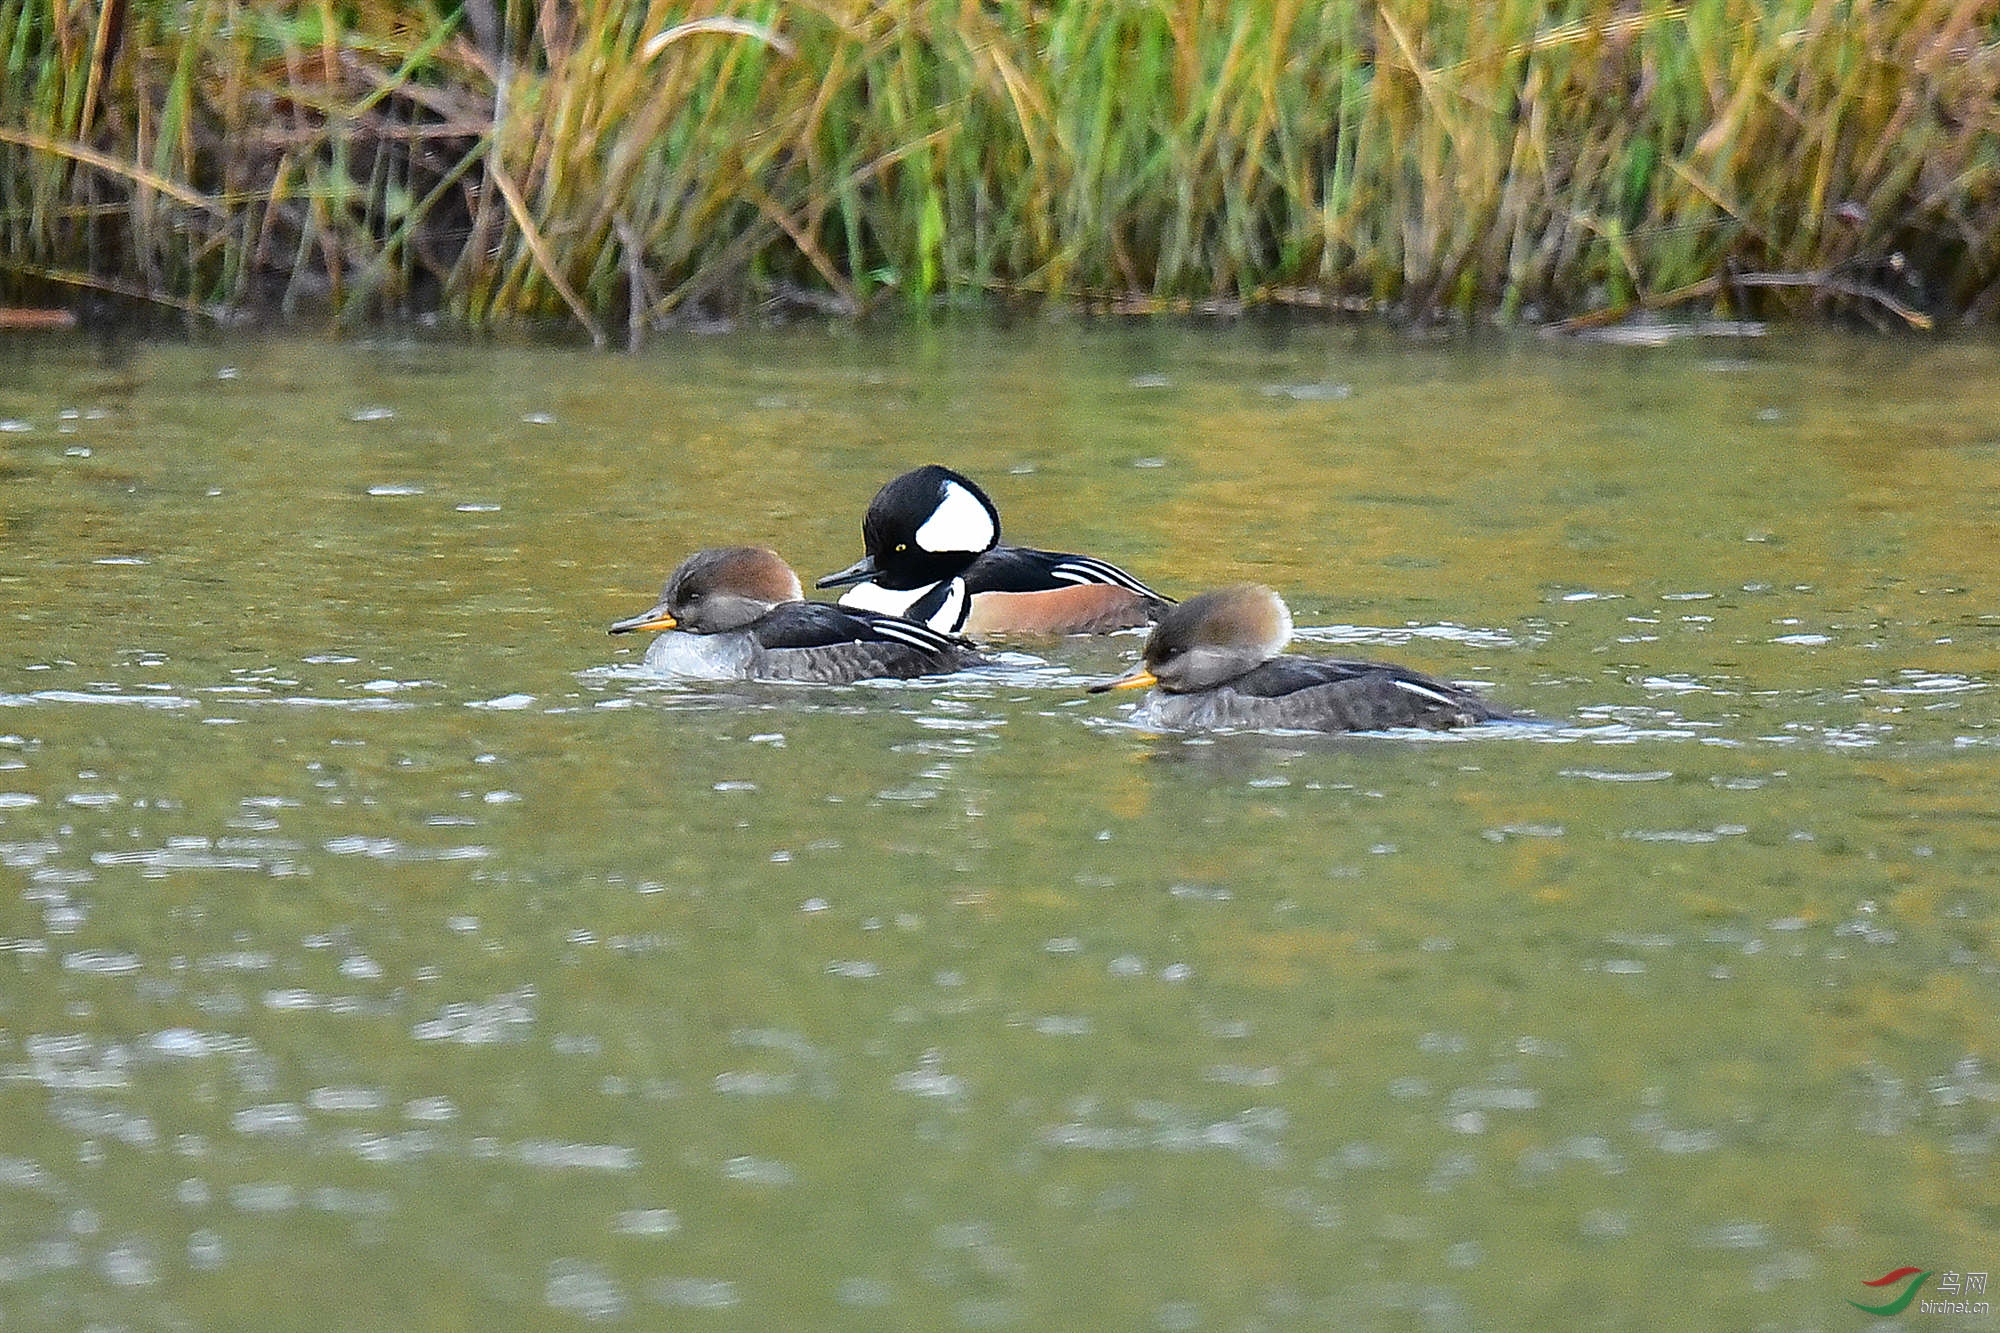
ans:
(933, 553)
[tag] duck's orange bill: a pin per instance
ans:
(1136, 679)
(653, 619)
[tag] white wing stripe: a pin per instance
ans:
(1088, 569)
(1425, 692)
(915, 635)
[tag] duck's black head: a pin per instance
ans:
(925, 526)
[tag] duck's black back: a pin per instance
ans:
(818, 641)
(1025, 569)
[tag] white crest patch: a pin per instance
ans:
(873, 596)
(959, 523)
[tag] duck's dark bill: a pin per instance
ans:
(657, 618)
(864, 568)
(1137, 678)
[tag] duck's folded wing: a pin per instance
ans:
(1364, 696)
(1024, 569)
(823, 642)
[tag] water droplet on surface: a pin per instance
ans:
(585, 1290)
(128, 1264)
(865, 1293)
(651, 1222)
(506, 703)
(206, 1251)
(757, 1171)
(694, 1293)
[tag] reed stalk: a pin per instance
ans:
(610, 163)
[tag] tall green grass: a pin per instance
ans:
(622, 164)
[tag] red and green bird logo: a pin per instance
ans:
(1899, 1303)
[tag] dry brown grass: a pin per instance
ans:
(608, 162)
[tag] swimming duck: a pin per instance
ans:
(934, 554)
(738, 613)
(1216, 661)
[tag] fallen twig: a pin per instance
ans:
(14, 318)
(1822, 281)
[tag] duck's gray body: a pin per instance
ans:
(1214, 661)
(896, 652)
(734, 613)
(1319, 694)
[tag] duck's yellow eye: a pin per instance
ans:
(902, 547)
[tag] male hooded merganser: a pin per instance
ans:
(738, 613)
(934, 554)
(1216, 662)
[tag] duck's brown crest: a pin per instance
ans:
(754, 572)
(1244, 616)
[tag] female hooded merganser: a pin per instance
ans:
(934, 554)
(1216, 662)
(738, 613)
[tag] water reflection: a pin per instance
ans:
(377, 928)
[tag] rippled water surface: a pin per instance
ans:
(380, 948)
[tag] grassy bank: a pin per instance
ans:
(620, 164)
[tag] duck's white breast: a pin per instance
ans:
(872, 596)
(700, 656)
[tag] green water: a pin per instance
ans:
(380, 949)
